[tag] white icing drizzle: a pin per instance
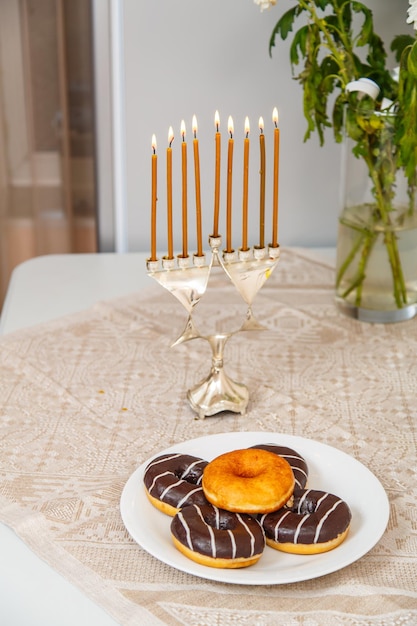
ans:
(157, 478)
(278, 524)
(299, 469)
(303, 497)
(297, 458)
(233, 542)
(323, 497)
(163, 459)
(323, 519)
(190, 467)
(217, 517)
(252, 538)
(211, 533)
(292, 456)
(185, 498)
(298, 482)
(213, 542)
(297, 531)
(187, 530)
(165, 491)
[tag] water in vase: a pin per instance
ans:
(372, 285)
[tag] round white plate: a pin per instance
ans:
(329, 470)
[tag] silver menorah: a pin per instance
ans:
(187, 278)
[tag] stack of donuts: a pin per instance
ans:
(226, 510)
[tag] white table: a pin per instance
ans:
(40, 290)
(48, 287)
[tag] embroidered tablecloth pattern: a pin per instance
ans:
(86, 399)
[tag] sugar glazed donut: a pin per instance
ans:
(314, 522)
(173, 481)
(248, 481)
(217, 538)
(296, 461)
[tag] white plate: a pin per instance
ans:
(329, 470)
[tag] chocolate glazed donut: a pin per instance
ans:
(216, 537)
(173, 481)
(296, 461)
(316, 521)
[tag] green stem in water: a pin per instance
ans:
(384, 203)
(350, 257)
(400, 292)
(366, 252)
(365, 243)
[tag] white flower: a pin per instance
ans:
(395, 73)
(364, 86)
(267, 4)
(412, 13)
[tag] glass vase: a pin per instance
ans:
(376, 266)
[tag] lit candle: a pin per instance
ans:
(217, 140)
(262, 184)
(245, 186)
(276, 180)
(229, 188)
(184, 192)
(154, 199)
(169, 192)
(197, 187)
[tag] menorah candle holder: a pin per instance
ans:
(187, 280)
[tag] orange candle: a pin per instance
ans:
(169, 192)
(229, 188)
(154, 200)
(217, 140)
(197, 188)
(184, 192)
(276, 180)
(245, 187)
(262, 184)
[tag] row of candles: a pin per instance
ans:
(262, 174)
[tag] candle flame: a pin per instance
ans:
(247, 127)
(183, 130)
(194, 126)
(230, 126)
(275, 116)
(217, 121)
(261, 124)
(170, 136)
(154, 143)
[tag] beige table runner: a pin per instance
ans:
(86, 399)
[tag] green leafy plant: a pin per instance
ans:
(334, 49)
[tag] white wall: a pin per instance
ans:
(186, 57)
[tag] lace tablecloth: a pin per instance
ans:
(86, 399)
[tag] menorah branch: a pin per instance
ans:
(187, 280)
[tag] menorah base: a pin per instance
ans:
(218, 393)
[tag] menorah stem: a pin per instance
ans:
(250, 322)
(217, 344)
(217, 392)
(190, 332)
